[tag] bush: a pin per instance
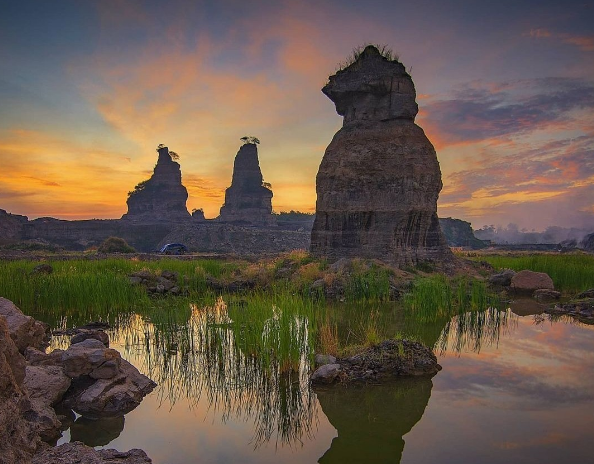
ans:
(115, 245)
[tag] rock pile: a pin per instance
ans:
(88, 377)
(379, 180)
(248, 200)
(162, 197)
(388, 360)
(164, 284)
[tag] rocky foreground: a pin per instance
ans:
(88, 378)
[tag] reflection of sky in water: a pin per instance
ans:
(526, 396)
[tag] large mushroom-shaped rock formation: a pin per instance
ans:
(248, 199)
(162, 197)
(379, 180)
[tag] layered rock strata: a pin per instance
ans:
(162, 197)
(248, 200)
(379, 180)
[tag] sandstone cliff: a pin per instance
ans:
(11, 226)
(248, 200)
(162, 197)
(379, 180)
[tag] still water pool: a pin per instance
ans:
(520, 392)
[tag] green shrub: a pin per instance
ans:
(115, 245)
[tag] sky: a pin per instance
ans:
(89, 89)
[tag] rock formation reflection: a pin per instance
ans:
(372, 420)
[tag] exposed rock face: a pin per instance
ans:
(247, 200)
(162, 197)
(24, 330)
(18, 440)
(588, 242)
(379, 180)
(11, 226)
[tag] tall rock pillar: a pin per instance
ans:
(379, 180)
(162, 197)
(248, 200)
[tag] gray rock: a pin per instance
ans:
(379, 179)
(43, 420)
(77, 453)
(322, 359)
(46, 383)
(38, 358)
(24, 330)
(528, 281)
(42, 269)
(325, 374)
(85, 334)
(85, 357)
(502, 278)
(111, 397)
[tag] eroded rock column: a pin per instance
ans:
(379, 179)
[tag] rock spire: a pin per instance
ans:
(162, 197)
(379, 179)
(248, 199)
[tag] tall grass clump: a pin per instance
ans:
(571, 273)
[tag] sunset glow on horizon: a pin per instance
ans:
(89, 89)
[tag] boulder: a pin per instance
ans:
(587, 294)
(109, 397)
(502, 278)
(76, 453)
(379, 179)
(90, 357)
(46, 383)
(528, 281)
(248, 200)
(43, 420)
(38, 358)
(325, 374)
(24, 330)
(42, 269)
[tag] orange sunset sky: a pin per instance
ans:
(89, 89)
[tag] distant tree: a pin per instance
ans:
(250, 139)
(161, 145)
(174, 155)
(268, 185)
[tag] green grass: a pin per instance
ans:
(571, 273)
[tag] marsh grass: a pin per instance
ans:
(571, 273)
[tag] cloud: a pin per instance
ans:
(583, 42)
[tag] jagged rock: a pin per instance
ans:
(109, 397)
(24, 330)
(582, 311)
(43, 420)
(38, 358)
(502, 278)
(528, 281)
(76, 453)
(379, 180)
(388, 360)
(18, 440)
(162, 197)
(90, 357)
(247, 200)
(46, 383)
(166, 283)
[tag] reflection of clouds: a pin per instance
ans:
(539, 365)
